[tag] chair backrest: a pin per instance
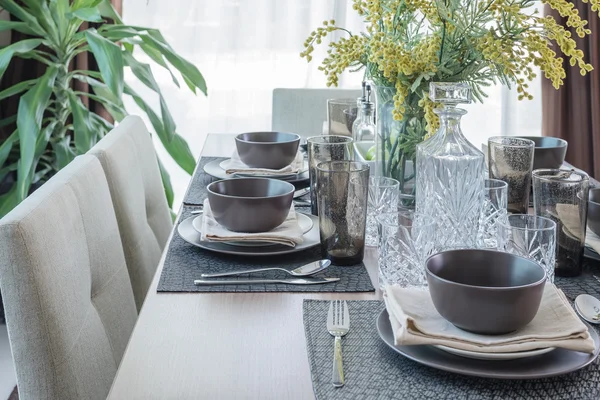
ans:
(129, 161)
(303, 111)
(67, 295)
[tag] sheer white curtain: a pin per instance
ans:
(246, 48)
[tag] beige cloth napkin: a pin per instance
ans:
(415, 321)
(288, 233)
(235, 165)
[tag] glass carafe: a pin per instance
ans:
(450, 173)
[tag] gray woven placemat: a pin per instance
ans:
(196, 192)
(374, 371)
(184, 263)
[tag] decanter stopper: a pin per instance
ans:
(450, 94)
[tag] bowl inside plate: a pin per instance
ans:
(270, 150)
(485, 291)
(250, 204)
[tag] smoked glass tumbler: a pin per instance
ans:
(325, 148)
(531, 237)
(406, 239)
(341, 114)
(562, 195)
(511, 160)
(342, 188)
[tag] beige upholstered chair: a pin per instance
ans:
(129, 161)
(67, 296)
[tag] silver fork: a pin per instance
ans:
(338, 324)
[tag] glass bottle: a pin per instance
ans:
(359, 102)
(364, 130)
(450, 172)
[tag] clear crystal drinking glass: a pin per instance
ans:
(493, 210)
(325, 148)
(450, 172)
(562, 195)
(511, 160)
(406, 239)
(383, 197)
(531, 237)
(342, 189)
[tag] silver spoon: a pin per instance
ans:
(305, 270)
(588, 308)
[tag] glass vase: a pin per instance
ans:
(396, 140)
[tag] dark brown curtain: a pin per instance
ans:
(20, 70)
(573, 112)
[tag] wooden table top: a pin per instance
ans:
(222, 345)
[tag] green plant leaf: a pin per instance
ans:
(88, 14)
(117, 32)
(16, 26)
(43, 15)
(19, 12)
(158, 58)
(8, 201)
(108, 11)
(18, 88)
(18, 48)
(29, 120)
(177, 147)
(144, 73)
(109, 59)
(6, 146)
(77, 4)
(63, 151)
(83, 131)
(166, 180)
(190, 73)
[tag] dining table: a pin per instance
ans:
(214, 345)
(222, 345)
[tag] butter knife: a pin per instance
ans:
(311, 281)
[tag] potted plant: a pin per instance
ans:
(408, 44)
(52, 123)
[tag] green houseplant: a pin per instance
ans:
(52, 123)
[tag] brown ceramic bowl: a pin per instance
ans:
(272, 150)
(549, 152)
(593, 214)
(250, 204)
(485, 291)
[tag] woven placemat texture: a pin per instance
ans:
(196, 192)
(374, 371)
(185, 262)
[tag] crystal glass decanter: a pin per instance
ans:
(450, 172)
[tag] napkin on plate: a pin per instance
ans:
(288, 233)
(235, 165)
(415, 321)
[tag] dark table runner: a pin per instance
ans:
(185, 262)
(374, 371)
